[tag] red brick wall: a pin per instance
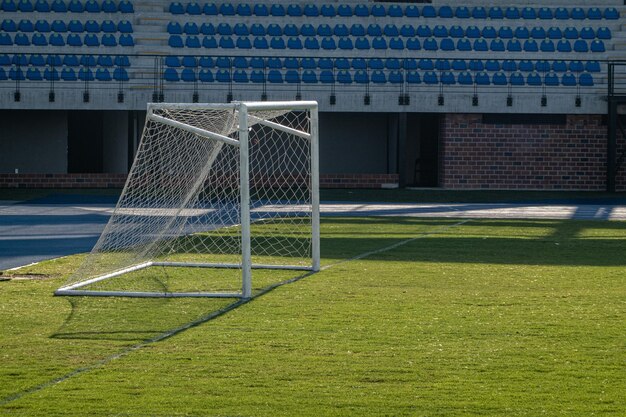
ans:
(117, 180)
(545, 157)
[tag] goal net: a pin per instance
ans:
(216, 192)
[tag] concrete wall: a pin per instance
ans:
(33, 141)
(353, 143)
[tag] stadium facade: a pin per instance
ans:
(484, 95)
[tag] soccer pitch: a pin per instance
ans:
(415, 317)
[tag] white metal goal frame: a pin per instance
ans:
(243, 110)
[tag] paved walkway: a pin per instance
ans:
(35, 231)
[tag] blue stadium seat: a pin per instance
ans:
(243, 9)
(512, 13)
(170, 74)
(576, 66)
(108, 6)
(59, 6)
(26, 26)
(322, 30)
(274, 76)
(426, 64)
(578, 14)
(241, 29)
(227, 9)
(597, 46)
(174, 28)
(394, 10)
(51, 74)
(456, 31)
(459, 65)
(42, 6)
(277, 43)
(307, 30)
(308, 63)
(73, 39)
(92, 6)
(446, 12)
(55, 39)
(224, 29)
(496, 12)
(85, 74)
(522, 32)
(292, 77)
(68, 74)
(294, 10)
(580, 45)
(172, 61)
(223, 62)
(563, 46)
(3, 75)
(360, 10)
(409, 64)
(210, 9)
(413, 77)
(499, 78)
(357, 29)
(392, 64)
(345, 43)
(446, 44)
(188, 75)
(430, 77)
(529, 13)
(430, 44)
(358, 63)
(408, 31)
(546, 46)
(413, 44)
(492, 65)
(505, 32)
(424, 31)
(479, 12)
(125, 26)
(465, 78)
(568, 79)
(514, 45)
(611, 13)
(344, 77)
(496, 45)
(462, 12)
(328, 10)
(594, 13)
(75, 26)
(291, 30)
(311, 10)
(378, 77)
(561, 13)
(125, 6)
(440, 31)
(108, 40)
(545, 13)
(447, 78)
(603, 33)
(33, 74)
(206, 62)
(20, 60)
(480, 45)
(530, 45)
(311, 43)
(442, 64)
(257, 29)
(206, 76)
(429, 11)
(104, 61)
(291, 63)
(39, 39)
(389, 30)
(225, 42)
(378, 10)
(309, 77)
(411, 11)
(5, 60)
(585, 80)
(260, 42)
(175, 41)
(517, 79)
(296, 43)
(189, 62)
(374, 30)
(37, 60)
(277, 10)
(570, 33)
(551, 79)
(398, 44)
(107, 26)
(91, 40)
(42, 26)
(538, 33)
(16, 74)
(375, 63)
(509, 65)
(208, 42)
(489, 32)
(92, 26)
(75, 6)
(8, 25)
(542, 66)
(396, 77)
(193, 8)
(361, 77)
(482, 78)
(472, 32)
(328, 43)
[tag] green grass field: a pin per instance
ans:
(409, 317)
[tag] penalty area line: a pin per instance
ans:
(215, 314)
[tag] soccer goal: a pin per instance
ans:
(216, 192)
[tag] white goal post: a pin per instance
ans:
(213, 187)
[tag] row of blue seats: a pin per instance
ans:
(73, 39)
(381, 43)
(66, 74)
(54, 60)
(394, 10)
(379, 77)
(491, 65)
(59, 26)
(374, 29)
(60, 6)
